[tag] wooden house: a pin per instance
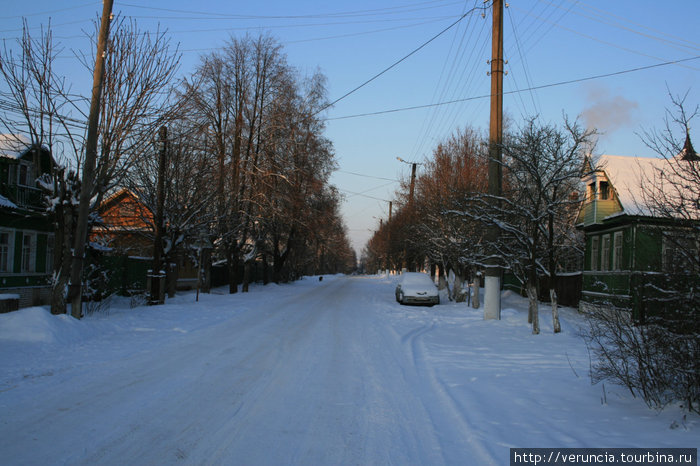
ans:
(26, 230)
(631, 251)
(126, 229)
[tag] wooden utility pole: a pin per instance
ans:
(388, 240)
(413, 183)
(411, 192)
(157, 295)
(492, 282)
(88, 179)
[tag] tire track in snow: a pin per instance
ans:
(446, 406)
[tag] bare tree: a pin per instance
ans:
(672, 190)
(188, 218)
(139, 67)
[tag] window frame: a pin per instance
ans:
(595, 252)
(28, 252)
(617, 250)
(7, 251)
(605, 253)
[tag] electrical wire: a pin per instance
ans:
(528, 81)
(368, 176)
(543, 86)
(604, 42)
(446, 82)
(600, 15)
(413, 52)
(373, 12)
(49, 12)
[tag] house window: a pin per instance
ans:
(13, 175)
(50, 244)
(595, 252)
(28, 252)
(617, 251)
(590, 192)
(5, 251)
(25, 175)
(605, 259)
(604, 190)
(679, 252)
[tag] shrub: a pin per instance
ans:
(657, 360)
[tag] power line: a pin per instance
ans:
(600, 17)
(597, 39)
(448, 81)
(374, 12)
(48, 12)
(543, 86)
(368, 176)
(523, 62)
(400, 60)
(363, 195)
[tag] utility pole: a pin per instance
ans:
(413, 183)
(88, 180)
(157, 275)
(410, 205)
(388, 240)
(492, 282)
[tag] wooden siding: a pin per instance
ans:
(595, 211)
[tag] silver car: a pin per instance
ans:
(416, 288)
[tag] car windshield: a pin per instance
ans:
(414, 278)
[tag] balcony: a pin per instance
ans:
(25, 197)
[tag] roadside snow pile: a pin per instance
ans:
(36, 324)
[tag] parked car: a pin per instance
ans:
(416, 288)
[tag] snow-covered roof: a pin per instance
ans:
(13, 145)
(626, 175)
(636, 179)
(5, 202)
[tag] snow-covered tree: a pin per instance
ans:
(541, 169)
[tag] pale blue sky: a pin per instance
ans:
(546, 42)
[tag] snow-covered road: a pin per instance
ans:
(331, 372)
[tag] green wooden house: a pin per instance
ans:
(26, 236)
(631, 254)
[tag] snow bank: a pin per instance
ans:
(37, 325)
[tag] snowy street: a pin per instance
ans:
(331, 372)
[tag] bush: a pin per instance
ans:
(653, 360)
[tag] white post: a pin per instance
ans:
(492, 297)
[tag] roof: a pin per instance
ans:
(626, 175)
(13, 145)
(636, 179)
(5, 202)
